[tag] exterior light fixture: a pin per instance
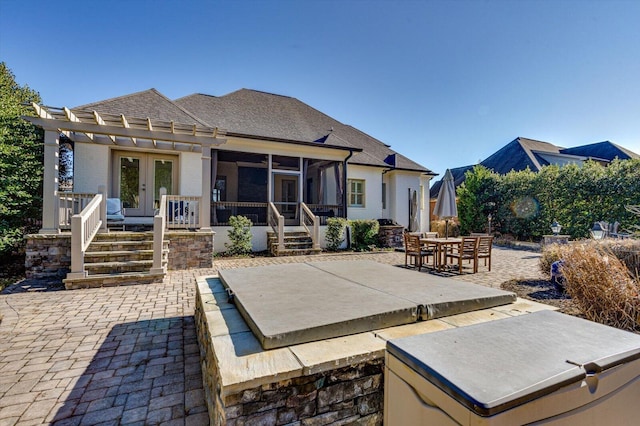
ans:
(597, 232)
(556, 227)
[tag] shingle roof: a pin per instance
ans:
(521, 153)
(458, 178)
(604, 150)
(146, 104)
(251, 112)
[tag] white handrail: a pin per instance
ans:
(277, 227)
(182, 211)
(84, 227)
(315, 233)
(71, 203)
(159, 226)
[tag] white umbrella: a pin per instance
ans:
(446, 203)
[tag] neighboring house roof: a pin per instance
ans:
(521, 153)
(602, 150)
(458, 178)
(254, 113)
(260, 115)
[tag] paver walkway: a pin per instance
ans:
(129, 355)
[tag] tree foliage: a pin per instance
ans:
(239, 236)
(524, 204)
(21, 158)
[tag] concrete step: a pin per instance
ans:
(123, 245)
(112, 280)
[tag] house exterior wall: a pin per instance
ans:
(398, 186)
(373, 192)
(191, 173)
(91, 168)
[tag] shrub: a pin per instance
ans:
(440, 226)
(365, 234)
(335, 232)
(550, 253)
(601, 285)
(239, 236)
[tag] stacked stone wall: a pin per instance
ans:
(351, 395)
(47, 256)
(190, 250)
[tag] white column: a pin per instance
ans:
(205, 205)
(269, 179)
(50, 201)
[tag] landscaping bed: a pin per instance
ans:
(543, 291)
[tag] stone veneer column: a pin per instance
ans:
(50, 202)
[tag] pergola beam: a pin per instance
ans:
(100, 121)
(72, 117)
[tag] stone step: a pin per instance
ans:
(124, 236)
(118, 267)
(297, 252)
(123, 245)
(112, 280)
(288, 233)
(120, 255)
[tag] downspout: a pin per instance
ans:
(344, 183)
(385, 171)
(344, 194)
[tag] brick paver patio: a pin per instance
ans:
(129, 355)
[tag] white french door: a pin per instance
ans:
(138, 177)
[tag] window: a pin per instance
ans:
(356, 193)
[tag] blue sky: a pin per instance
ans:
(446, 83)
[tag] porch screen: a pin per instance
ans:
(252, 184)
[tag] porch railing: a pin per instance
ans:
(309, 220)
(70, 204)
(221, 211)
(159, 225)
(84, 226)
(325, 211)
(182, 212)
(276, 221)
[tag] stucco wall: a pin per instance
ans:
(373, 192)
(399, 184)
(191, 173)
(91, 167)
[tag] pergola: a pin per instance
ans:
(119, 130)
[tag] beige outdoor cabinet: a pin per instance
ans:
(541, 368)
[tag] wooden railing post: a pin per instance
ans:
(103, 208)
(77, 254)
(281, 233)
(159, 225)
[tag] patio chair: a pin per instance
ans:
(485, 244)
(414, 249)
(467, 250)
(115, 213)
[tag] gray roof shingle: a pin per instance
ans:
(256, 113)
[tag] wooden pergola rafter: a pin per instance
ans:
(117, 129)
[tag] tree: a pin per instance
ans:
(21, 159)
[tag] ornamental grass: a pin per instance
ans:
(601, 285)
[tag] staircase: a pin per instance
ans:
(119, 258)
(296, 243)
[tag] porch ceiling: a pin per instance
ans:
(113, 129)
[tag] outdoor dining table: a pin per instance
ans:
(441, 245)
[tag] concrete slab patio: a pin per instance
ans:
(129, 355)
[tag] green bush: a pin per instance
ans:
(524, 204)
(239, 236)
(365, 234)
(335, 232)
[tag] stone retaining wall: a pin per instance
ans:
(47, 256)
(188, 249)
(348, 395)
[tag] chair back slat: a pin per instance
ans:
(484, 245)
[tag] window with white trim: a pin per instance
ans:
(356, 193)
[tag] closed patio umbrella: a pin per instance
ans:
(446, 203)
